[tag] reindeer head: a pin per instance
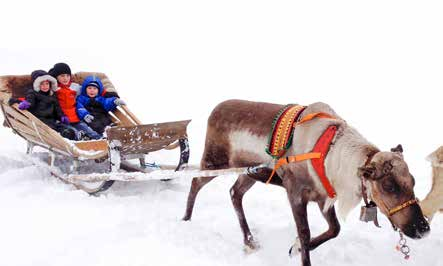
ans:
(391, 187)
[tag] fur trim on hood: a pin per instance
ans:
(39, 76)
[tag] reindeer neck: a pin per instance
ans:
(351, 142)
(349, 152)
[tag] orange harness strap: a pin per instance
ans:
(317, 156)
(309, 117)
(293, 159)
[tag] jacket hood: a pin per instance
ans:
(94, 81)
(38, 76)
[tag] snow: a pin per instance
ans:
(46, 222)
(377, 63)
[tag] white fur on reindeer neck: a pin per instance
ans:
(350, 151)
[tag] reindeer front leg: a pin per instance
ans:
(299, 211)
(332, 232)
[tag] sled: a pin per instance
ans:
(127, 141)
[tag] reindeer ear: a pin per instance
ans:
(399, 149)
(366, 172)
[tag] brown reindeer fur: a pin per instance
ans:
(237, 135)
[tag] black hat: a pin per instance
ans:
(38, 76)
(58, 69)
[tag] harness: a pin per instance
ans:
(367, 215)
(283, 129)
(390, 211)
(281, 139)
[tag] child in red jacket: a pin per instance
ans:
(67, 93)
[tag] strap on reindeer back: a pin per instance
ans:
(281, 138)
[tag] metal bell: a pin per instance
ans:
(368, 213)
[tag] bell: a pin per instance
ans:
(368, 213)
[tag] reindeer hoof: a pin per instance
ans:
(295, 249)
(251, 247)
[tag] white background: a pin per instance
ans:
(377, 63)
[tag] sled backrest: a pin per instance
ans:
(14, 86)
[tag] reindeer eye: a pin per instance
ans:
(389, 186)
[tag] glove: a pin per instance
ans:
(119, 102)
(65, 120)
(88, 118)
(24, 105)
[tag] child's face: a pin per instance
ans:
(64, 79)
(91, 91)
(45, 86)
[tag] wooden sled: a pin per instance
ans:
(129, 140)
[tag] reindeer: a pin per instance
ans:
(434, 200)
(237, 136)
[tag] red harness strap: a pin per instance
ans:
(317, 157)
(322, 147)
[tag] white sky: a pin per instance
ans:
(178, 59)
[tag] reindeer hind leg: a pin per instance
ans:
(237, 191)
(197, 184)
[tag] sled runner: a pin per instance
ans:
(126, 141)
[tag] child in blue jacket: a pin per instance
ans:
(92, 107)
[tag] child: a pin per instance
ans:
(92, 107)
(42, 103)
(67, 93)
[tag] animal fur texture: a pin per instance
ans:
(433, 202)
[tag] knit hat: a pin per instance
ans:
(38, 76)
(58, 69)
(92, 81)
(94, 84)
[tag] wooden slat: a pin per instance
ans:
(131, 115)
(125, 121)
(145, 147)
(4, 97)
(14, 113)
(29, 136)
(19, 126)
(36, 139)
(172, 146)
(48, 139)
(147, 138)
(26, 118)
(93, 145)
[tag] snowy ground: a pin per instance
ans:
(377, 63)
(45, 222)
